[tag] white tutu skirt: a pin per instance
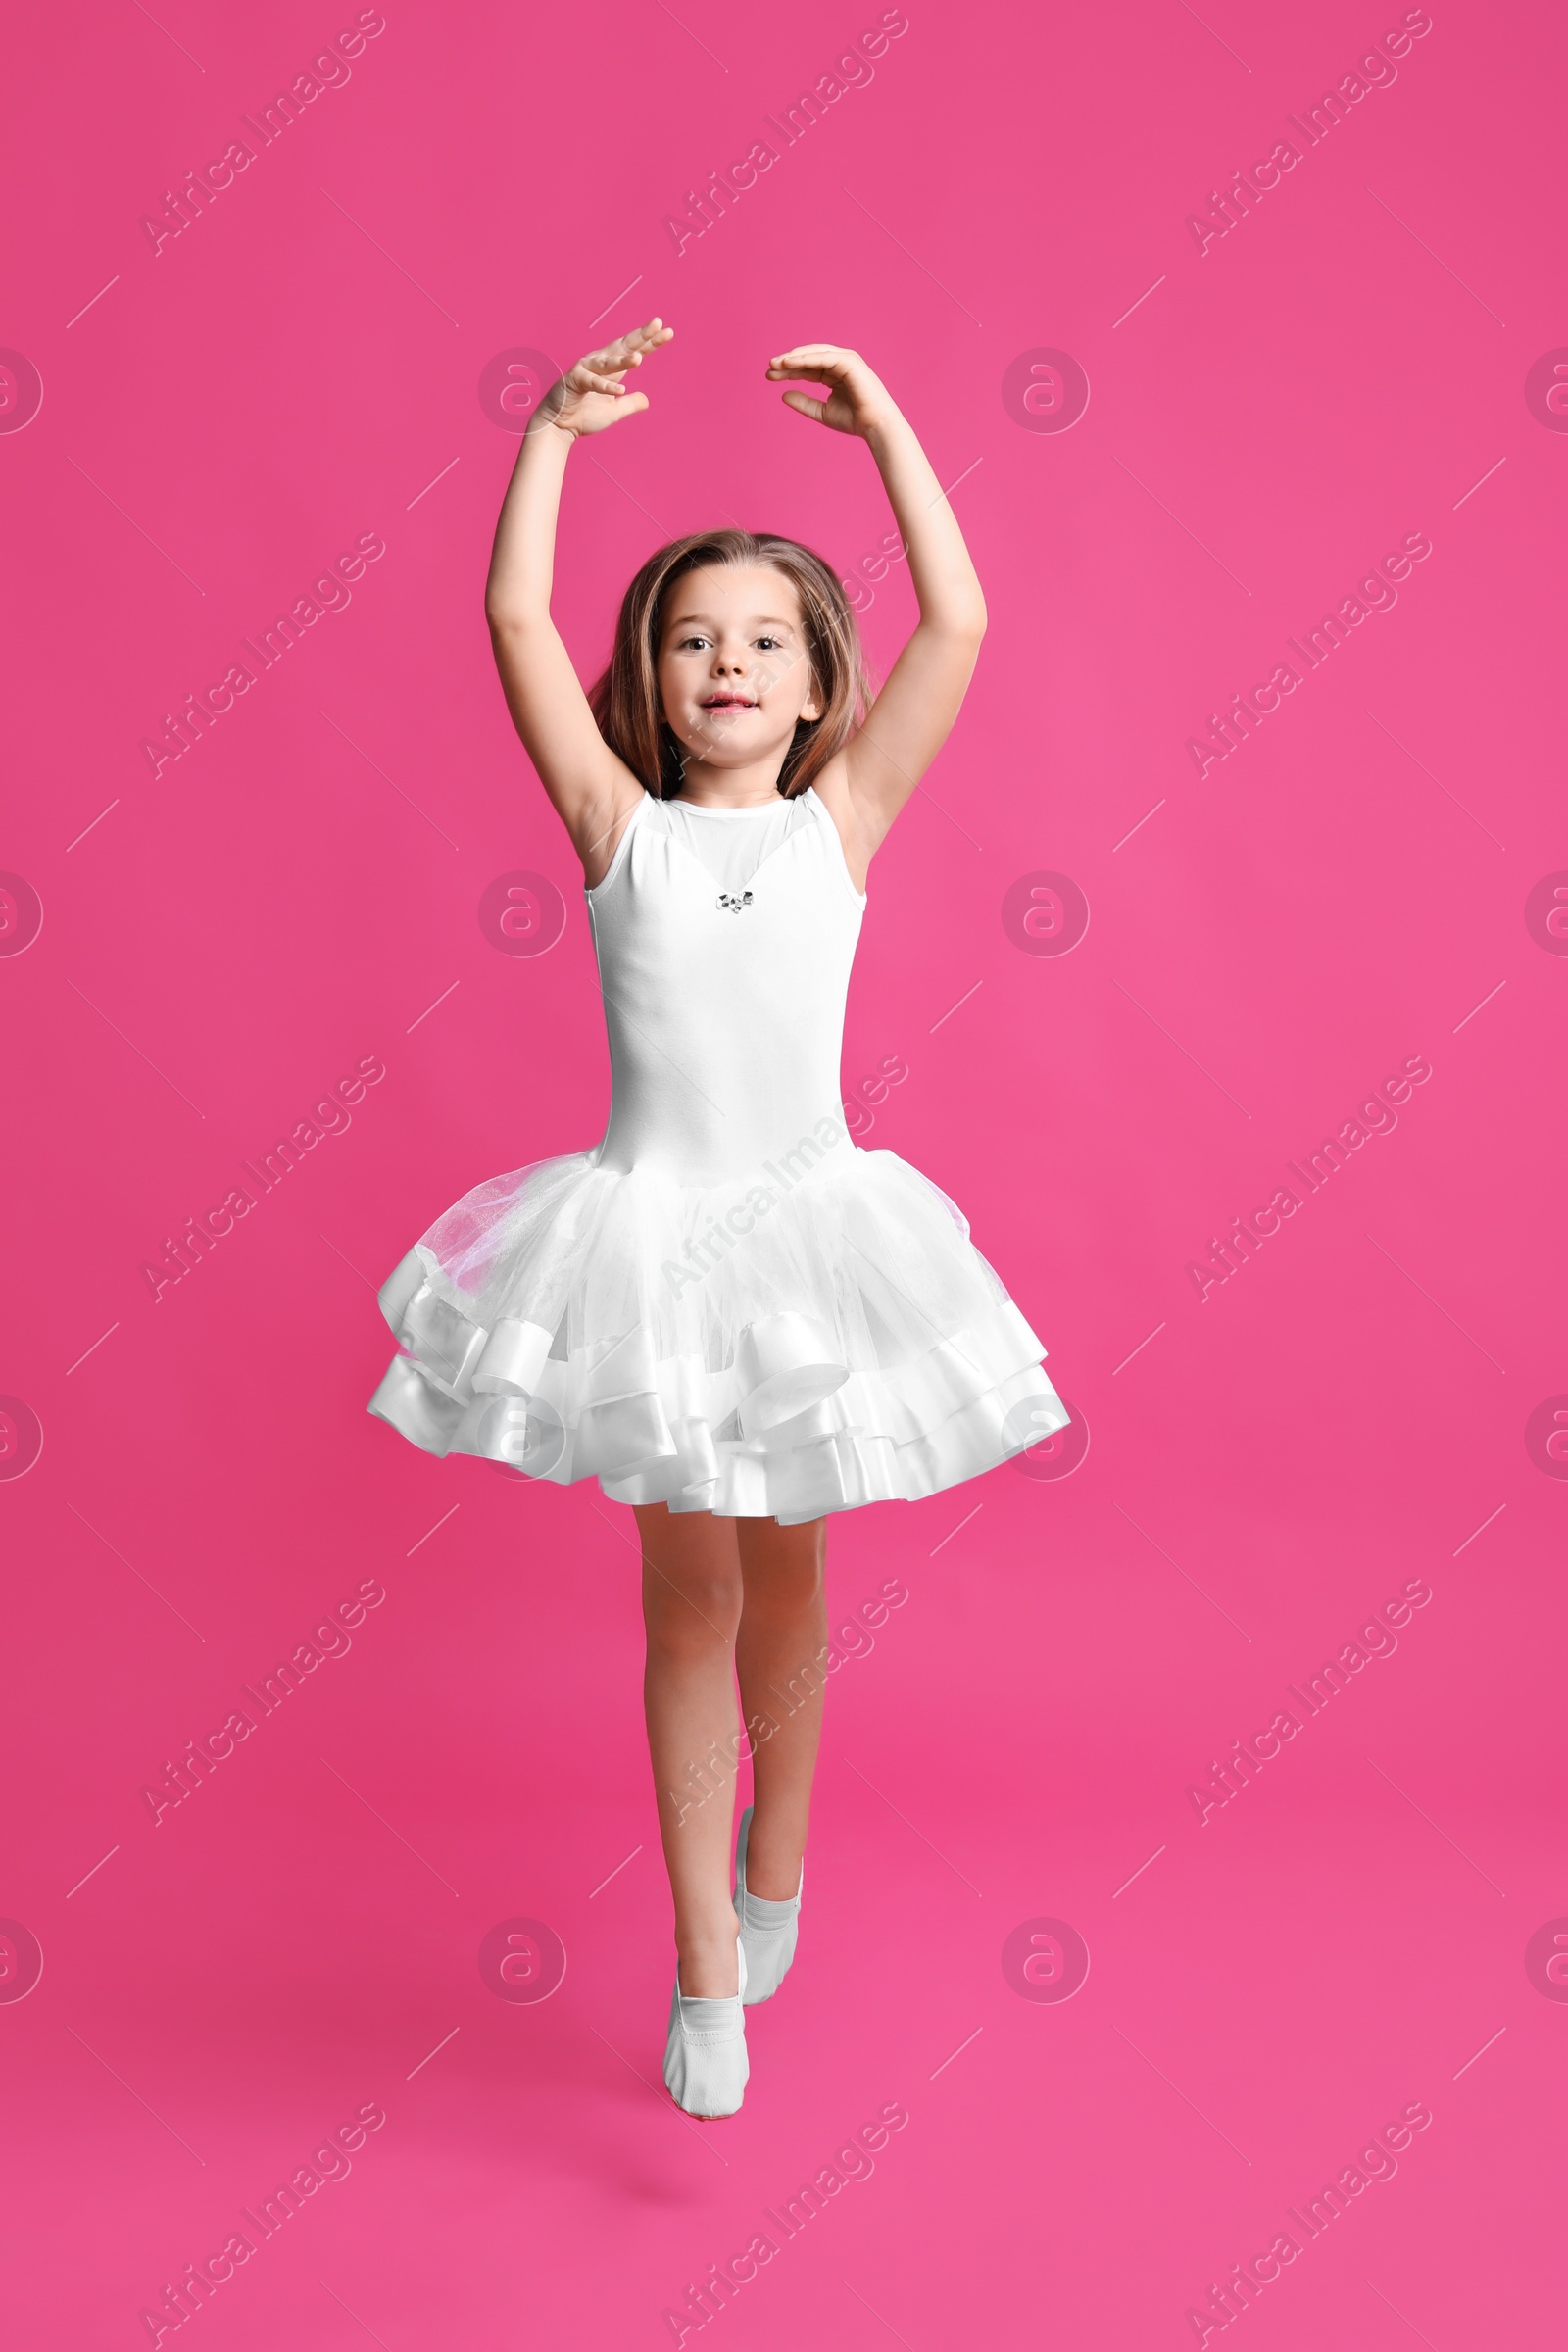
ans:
(755, 1348)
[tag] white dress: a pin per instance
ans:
(725, 1305)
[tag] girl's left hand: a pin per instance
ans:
(857, 401)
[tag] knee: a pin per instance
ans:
(788, 1593)
(698, 1613)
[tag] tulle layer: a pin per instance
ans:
(763, 1348)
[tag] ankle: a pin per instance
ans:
(709, 1968)
(772, 1865)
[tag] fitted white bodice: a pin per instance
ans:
(725, 997)
(732, 843)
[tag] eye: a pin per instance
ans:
(772, 644)
(685, 645)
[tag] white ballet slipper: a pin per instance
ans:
(706, 2064)
(769, 1930)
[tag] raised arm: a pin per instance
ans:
(591, 789)
(913, 713)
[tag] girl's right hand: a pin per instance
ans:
(591, 395)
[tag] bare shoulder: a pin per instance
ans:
(856, 824)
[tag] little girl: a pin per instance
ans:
(726, 1310)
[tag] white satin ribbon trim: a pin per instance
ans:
(783, 1364)
(514, 1358)
(400, 1286)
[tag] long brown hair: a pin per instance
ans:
(625, 700)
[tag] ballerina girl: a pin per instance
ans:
(734, 1317)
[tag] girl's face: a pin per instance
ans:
(734, 675)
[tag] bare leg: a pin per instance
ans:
(691, 1608)
(783, 1631)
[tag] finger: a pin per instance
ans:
(817, 409)
(627, 349)
(632, 406)
(645, 338)
(614, 357)
(825, 370)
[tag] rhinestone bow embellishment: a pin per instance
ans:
(734, 899)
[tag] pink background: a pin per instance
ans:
(1268, 1465)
